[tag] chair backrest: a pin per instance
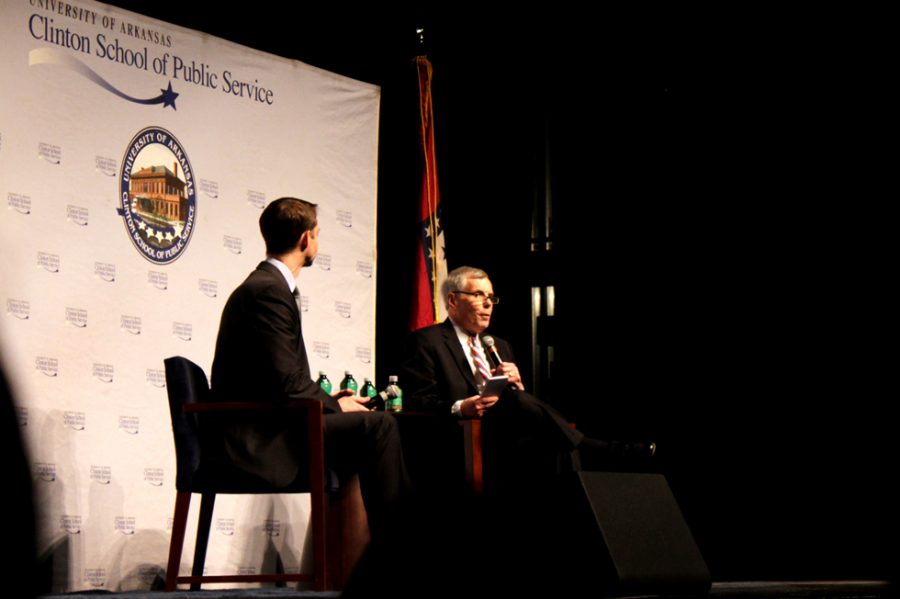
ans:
(186, 383)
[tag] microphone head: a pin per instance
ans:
(493, 355)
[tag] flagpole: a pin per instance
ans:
(432, 265)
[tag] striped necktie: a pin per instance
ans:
(478, 360)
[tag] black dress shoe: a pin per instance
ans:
(596, 453)
(639, 450)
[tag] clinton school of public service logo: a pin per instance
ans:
(156, 195)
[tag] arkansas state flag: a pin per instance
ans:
(431, 263)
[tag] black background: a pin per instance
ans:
(720, 238)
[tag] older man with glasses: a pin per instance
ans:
(445, 370)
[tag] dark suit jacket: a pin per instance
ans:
(436, 371)
(260, 356)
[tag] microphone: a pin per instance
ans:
(380, 400)
(391, 392)
(488, 342)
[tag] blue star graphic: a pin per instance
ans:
(168, 97)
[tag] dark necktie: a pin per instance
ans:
(299, 307)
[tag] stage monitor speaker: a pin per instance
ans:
(644, 544)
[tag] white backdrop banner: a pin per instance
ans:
(135, 159)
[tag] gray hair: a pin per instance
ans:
(457, 278)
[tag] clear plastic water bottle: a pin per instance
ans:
(395, 396)
(349, 382)
(369, 391)
(324, 382)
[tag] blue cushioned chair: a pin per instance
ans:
(188, 392)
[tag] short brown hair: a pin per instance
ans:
(284, 221)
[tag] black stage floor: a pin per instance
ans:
(855, 589)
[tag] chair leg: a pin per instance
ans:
(203, 527)
(318, 503)
(176, 544)
(318, 515)
(472, 451)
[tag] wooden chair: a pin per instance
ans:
(472, 452)
(188, 393)
(432, 450)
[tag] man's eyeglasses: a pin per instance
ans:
(481, 297)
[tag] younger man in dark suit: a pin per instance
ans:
(261, 356)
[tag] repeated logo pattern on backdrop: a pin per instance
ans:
(135, 159)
